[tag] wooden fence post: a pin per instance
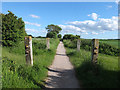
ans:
(48, 43)
(28, 50)
(95, 50)
(78, 44)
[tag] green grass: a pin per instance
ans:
(16, 74)
(103, 75)
(113, 43)
(104, 47)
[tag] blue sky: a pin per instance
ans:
(88, 19)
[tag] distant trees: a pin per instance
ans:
(53, 31)
(52, 35)
(13, 29)
(59, 36)
(31, 36)
(38, 37)
(70, 36)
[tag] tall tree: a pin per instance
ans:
(53, 30)
(13, 29)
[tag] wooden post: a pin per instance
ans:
(119, 61)
(95, 47)
(78, 44)
(28, 50)
(48, 43)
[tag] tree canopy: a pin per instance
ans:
(52, 35)
(70, 36)
(53, 30)
(59, 35)
(13, 29)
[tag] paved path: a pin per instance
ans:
(61, 73)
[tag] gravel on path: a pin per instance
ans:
(61, 73)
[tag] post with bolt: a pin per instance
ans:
(48, 43)
(28, 50)
(95, 50)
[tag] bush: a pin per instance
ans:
(59, 35)
(52, 35)
(70, 44)
(71, 37)
(37, 46)
(108, 49)
(13, 29)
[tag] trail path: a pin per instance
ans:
(61, 73)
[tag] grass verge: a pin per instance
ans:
(103, 75)
(15, 72)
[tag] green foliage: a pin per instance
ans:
(71, 37)
(38, 46)
(16, 74)
(13, 29)
(86, 44)
(38, 37)
(52, 35)
(108, 49)
(53, 28)
(59, 35)
(112, 42)
(103, 75)
(70, 44)
(53, 31)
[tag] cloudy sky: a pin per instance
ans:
(88, 19)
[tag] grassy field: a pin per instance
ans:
(103, 75)
(104, 46)
(113, 43)
(16, 74)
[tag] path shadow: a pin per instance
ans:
(63, 79)
(51, 70)
(61, 54)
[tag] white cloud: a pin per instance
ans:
(109, 6)
(100, 25)
(117, 1)
(94, 33)
(34, 16)
(102, 31)
(94, 16)
(31, 30)
(86, 33)
(71, 29)
(29, 23)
